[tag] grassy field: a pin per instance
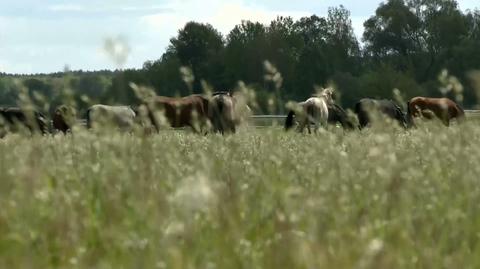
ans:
(380, 198)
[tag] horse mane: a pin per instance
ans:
(222, 93)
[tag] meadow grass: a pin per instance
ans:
(380, 198)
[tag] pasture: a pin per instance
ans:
(262, 198)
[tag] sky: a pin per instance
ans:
(49, 35)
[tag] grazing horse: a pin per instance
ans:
(336, 114)
(63, 118)
(442, 108)
(31, 119)
(313, 111)
(223, 112)
(365, 106)
(192, 111)
(122, 117)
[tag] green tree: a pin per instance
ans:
(164, 75)
(312, 67)
(418, 36)
(245, 53)
(343, 46)
(199, 46)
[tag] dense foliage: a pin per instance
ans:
(406, 45)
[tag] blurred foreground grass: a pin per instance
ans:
(259, 199)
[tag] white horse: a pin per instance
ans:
(122, 117)
(312, 111)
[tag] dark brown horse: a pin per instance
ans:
(63, 118)
(442, 108)
(336, 114)
(366, 106)
(189, 111)
(31, 119)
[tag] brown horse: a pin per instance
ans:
(192, 111)
(222, 112)
(443, 108)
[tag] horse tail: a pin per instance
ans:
(289, 120)
(460, 110)
(409, 116)
(460, 113)
(220, 105)
(151, 115)
(401, 116)
(205, 104)
(362, 115)
(88, 117)
(42, 122)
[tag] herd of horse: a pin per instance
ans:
(200, 112)
(219, 112)
(320, 110)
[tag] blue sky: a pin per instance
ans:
(47, 35)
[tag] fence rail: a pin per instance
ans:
(268, 120)
(468, 112)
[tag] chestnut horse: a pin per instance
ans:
(443, 108)
(191, 111)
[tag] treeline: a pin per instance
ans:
(405, 46)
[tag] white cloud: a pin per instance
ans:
(66, 7)
(230, 14)
(142, 8)
(220, 14)
(17, 67)
(468, 4)
(3, 66)
(40, 43)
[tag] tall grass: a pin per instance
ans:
(380, 198)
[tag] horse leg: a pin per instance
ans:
(316, 125)
(324, 123)
(445, 121)
(300, 127)
(194, 128)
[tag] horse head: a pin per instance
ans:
(327, 94)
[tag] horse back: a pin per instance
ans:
(179, 111)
